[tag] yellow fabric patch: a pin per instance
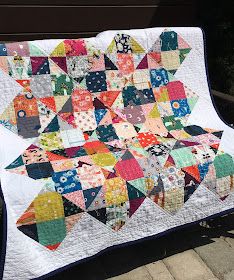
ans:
(136, 47)
(51, 141)
(104, 159)
(115, 191)
(154, 113)
(59, 50)
(48, 206)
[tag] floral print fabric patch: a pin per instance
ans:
(108, 131)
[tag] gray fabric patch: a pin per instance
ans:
(28, 126)
(41, 86)
(78, 66)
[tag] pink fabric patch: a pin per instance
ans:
(182, 44)
(154, 60)
(75, 47)
(125, 63)
(176, 90)
(20, 49)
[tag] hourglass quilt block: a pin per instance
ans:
(108, 132)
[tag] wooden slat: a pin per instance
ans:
(225, 106)
(14, 37)
(54, 22)
(226, 97)
(98, 2)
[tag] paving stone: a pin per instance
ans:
(229, 276)
(159, 271)
(230, 241)
(188, 266)
(140, 273)
(219, 257)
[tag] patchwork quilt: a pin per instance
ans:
(106, 141)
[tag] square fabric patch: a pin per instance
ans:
(96, 81)
(103, 143)
(41, 86)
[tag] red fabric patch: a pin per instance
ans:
(129, 169)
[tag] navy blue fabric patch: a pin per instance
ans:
(96, 81)
(39, 170)
(158, 77)
(169, 41)
(106, 133)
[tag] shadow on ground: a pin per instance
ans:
(122, 260)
